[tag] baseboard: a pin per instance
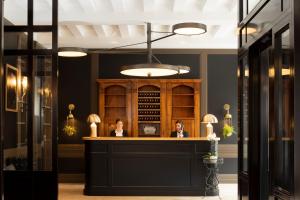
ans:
(228, 178)
(71, 178)
(79, 178)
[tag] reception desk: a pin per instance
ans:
(146, 166)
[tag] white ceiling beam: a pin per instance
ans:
(231, 5)
(200, 4)
(99, 30)
(149, 5)
(87, 5)
(124, 31)
(111, 30)
(74, 30)
(224, 30)
(179, 5)
(212, 30)
(117, 5)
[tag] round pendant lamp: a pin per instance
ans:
(71, 52)
(189, 28)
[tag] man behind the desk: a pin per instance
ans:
(180, 133)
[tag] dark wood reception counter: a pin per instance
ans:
(145, 166)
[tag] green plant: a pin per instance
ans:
(69, 130)
(228, 130)
(211, 155)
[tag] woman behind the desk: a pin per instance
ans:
(180, 133)
(119, 132)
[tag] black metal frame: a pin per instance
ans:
(258, 164)
(1, 99)
(30, 28)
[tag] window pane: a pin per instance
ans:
(42, 121)
(252, 4)
(15, 12)
(245, 113)
(244, 8)
(285, 135)
(42, 40)
(16, 113)
(15, 40)
(42, 12)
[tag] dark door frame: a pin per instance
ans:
(30, 52)
(1, 99)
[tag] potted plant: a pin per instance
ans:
(211, 157)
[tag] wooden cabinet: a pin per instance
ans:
(114, 103)
(183, 103)
(149, 107)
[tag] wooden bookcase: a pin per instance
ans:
(114, 103)
(183, 103)
(150, 107)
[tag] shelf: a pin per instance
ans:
(149, 122)
(149, 115)
(115, 106)
(115, 94)
(154, 91)
(183, 118)
(183, 106)
(150, 109)
(149, 97)
(148, 103)
(182, 94)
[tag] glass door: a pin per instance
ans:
(281, 128)
(243, 138)
(30, 95)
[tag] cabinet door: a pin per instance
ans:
(183, 104)
(114, 103)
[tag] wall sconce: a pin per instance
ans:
(23, 85)
(228, 129)
(69, 127)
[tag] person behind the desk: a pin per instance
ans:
(180, 133)
(119, 132)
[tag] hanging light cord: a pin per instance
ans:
(129, 45)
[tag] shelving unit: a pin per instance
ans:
(183, 102)
(149, 110)
(151, 105)
(113, 104)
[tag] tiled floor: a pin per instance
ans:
(74, 192)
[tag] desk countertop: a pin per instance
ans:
(149, 138)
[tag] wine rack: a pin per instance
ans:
(149, 105)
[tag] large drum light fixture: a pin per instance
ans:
(151, 69)
(71, 52)
(189, 28)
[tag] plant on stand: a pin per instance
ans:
(228, 128)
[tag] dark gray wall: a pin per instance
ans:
(74, 87)
(77, 85)
(222, 89)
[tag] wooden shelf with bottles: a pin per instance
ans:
(147, 104)
(149, 111)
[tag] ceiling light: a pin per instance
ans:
(189, 28)
(249, 29)
(153, 70)
(71, 52)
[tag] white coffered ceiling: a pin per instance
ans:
(110, 23)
